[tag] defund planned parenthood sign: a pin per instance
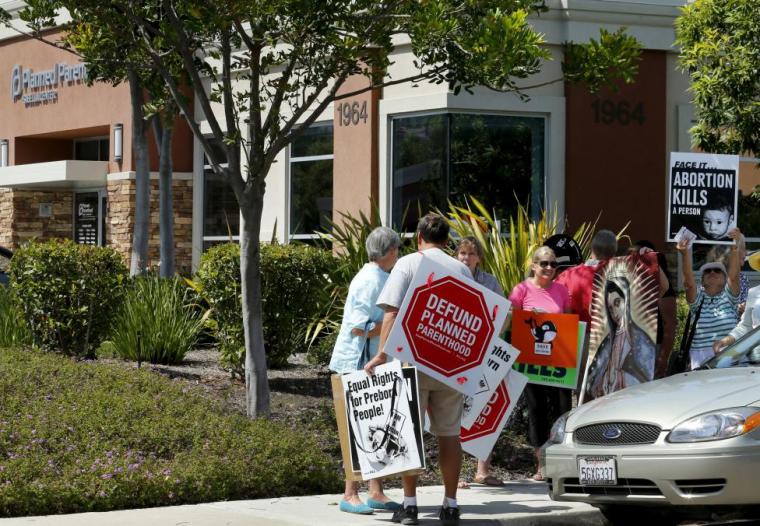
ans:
(446, 325)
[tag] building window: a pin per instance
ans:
(311, 181)
(221, 213)
(91, 149)
(498, 159)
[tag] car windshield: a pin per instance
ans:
(743, 353)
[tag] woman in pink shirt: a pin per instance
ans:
(540, 293)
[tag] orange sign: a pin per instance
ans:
(545, 339)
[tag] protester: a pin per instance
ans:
(358, 340)
(470, 252)
(443, 404)
(666, 309)
(750, 318)
(720, 253)
(579, 281)
(715, 301)
(541, 293)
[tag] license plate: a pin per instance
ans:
(597, 471)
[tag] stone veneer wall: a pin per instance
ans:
(6, 217)
(20, 218)
(120, 221)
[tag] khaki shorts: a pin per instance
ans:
(445, 406)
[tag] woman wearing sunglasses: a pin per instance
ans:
(714, 302)
(541, 293)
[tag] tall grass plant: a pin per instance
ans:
(14, 331)
(156, 324)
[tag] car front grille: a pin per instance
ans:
(627, 434)
(700, 486)
(624, 487)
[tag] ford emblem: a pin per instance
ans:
(612, 433)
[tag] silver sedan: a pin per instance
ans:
(684, 446)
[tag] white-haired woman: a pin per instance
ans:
(542, 294)
(358, 339)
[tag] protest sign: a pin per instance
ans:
(498, 364)
(445, 326)
(622, 350)
(480, 438)
(703, 196)
(380, 422)
(548, 345)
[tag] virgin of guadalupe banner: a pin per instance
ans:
(703, 196)
(383, 430)
(548, 345)
(622, 350)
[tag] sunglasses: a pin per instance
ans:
(711, 270)
(548, 264)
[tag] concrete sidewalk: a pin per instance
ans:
(516, 503)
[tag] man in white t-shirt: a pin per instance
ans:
(443, 403)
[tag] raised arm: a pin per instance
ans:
(689, 284)
(735, 260)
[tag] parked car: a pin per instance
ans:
(5, 261)
(687, 446)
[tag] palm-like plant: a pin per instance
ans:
(507, 255)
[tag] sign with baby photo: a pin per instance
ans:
(703, 197)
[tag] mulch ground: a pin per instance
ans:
(301, 398)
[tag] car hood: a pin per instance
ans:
(670, 401)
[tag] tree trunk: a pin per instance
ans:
(139, 261)
(164, 134)
(256, 383)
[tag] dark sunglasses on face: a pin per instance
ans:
(548, 264)
(711, 270)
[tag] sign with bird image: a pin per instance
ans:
(549, 347)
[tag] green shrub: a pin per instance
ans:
(13, 329)
(292, 278)
(136, 440)
(320, 351)
(68, 293)
(155, 323)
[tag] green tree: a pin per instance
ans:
(720, 50)
(274, 66)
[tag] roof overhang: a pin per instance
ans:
(57, 175)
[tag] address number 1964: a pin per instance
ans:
(352, 113)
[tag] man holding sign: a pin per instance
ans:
(443, 404)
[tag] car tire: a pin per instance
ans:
(637, 515)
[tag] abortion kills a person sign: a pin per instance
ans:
(381, 423)
(703, 196)
(445, 326)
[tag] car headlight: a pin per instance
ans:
(557, 435)
(716, 425)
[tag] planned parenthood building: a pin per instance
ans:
(67, 168)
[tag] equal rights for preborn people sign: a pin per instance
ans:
(446, 325)
(703, 196)
(385, 434)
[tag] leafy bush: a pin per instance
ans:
(320, 351)
(68, 293)
(218, 283)
(136, 440)
(292, 277)
(154, 323)
(13, 329)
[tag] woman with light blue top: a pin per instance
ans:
(358, 340)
